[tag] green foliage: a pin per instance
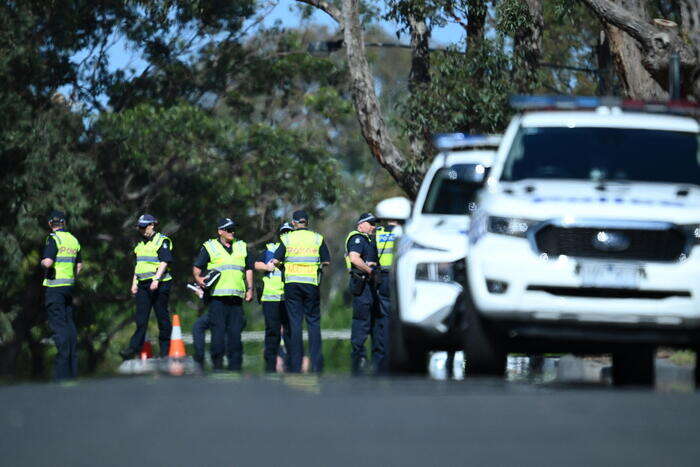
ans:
(512, 16)
(216, 121)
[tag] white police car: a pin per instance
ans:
(429, 258)
(587, 236)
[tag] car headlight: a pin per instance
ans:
(693, 232)
(511, 226)
(435, 272)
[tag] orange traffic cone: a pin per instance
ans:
(146, 350)
(177, 345)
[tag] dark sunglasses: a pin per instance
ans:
(229, 230)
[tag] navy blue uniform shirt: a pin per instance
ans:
(365, 247)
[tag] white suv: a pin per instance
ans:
(587, 239)
(429, 263)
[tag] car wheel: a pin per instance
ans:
(697, 368)
(634, 366)
(405, 356)
(484, 353)
(484, 350)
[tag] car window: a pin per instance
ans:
(604, 154)
(449, 193)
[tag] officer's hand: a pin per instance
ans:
(200, 282)
(134, 289)
(154, 285)
(249, 295)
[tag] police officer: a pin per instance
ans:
(362, 262)
(385, 240)
(304, 253)
(151, 285)
(62, 262)
(225, 313)
(272, 301)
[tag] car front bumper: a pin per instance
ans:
(545, 290)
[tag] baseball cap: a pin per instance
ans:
(146, 220)
(225, 223)
(286, 227)
(366, 217)
(57, 216)
(300, 215)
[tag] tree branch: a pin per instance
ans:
(617, 16)
(326, 7)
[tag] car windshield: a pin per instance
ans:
(450, 191)
(604, 154)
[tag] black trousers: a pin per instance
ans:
(367, 319)
(275, 314)
(384, 293)
(226, 321)
(198, 336)
(303, 301)
(158, 301)
(58, 302)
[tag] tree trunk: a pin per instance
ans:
(476, 23)
(369, 113)
(656, 41)
(418, 77)
(637, 82)
(527, 45)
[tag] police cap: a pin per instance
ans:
(146, 220)
(366, 217)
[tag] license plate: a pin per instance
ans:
(612, 275)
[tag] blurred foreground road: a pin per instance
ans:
(228, 420)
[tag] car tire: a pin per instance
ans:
(484, 350)
(634, 366)
(697, 368)
(405, 357)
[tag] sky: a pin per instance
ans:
(286, 12)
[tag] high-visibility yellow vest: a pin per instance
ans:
(273, 285)
(348, 264)
(302, 259)
(64, 264)
(385, 246)
(232, 267)
(147, 258)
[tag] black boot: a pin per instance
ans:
(127, 354)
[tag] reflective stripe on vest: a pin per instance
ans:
(232, 279)
(64, 263)
(348, 264)
(302, 258)
(273, 285)
(147, 261)
(385, 247)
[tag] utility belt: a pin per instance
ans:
(358, 281)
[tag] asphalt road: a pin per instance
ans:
(336, 421)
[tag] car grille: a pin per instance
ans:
(644, 245)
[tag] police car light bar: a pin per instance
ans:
(523, 102)
(445, 141)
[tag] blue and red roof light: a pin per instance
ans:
(524, 102)
(447, 141)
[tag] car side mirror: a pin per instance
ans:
(396, 208)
